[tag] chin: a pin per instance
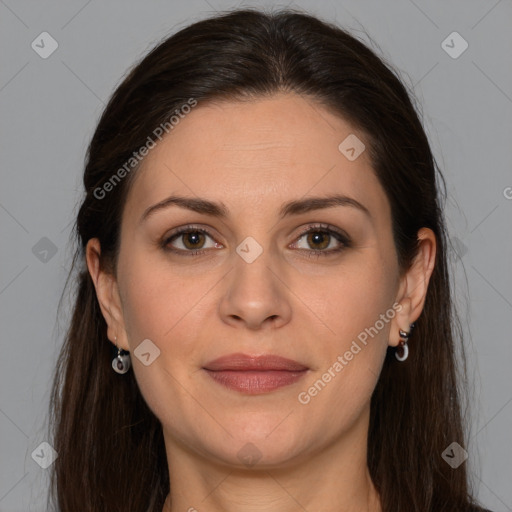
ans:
(261, 441)
(258, 455)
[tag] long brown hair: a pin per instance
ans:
(110, 445)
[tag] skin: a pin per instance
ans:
(253, 156)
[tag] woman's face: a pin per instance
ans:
(259, 285)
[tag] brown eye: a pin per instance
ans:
(192, 241)
(320, 238)
(318, 241)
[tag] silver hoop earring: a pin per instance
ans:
(121, 363)
(402, 351)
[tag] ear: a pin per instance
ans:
(107, 293)
(413, 286)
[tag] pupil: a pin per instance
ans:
(318, 238)
(192, 237)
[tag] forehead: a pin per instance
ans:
(256, 154)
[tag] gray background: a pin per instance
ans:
(49, 108)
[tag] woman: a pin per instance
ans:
(263, 318)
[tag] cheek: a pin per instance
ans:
(145, 310)
(159, 307)
(360, 299)
(154, 300)
(168, 309)
(359, 311)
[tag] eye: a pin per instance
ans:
(320, 237)
(192, 241)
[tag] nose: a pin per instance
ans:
(256, 296)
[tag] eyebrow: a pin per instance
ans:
(220, 210)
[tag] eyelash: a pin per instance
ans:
(316, 228)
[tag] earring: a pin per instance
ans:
(402, 351)
(121, 363)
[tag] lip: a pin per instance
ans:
(245, 362)
(255, 374)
